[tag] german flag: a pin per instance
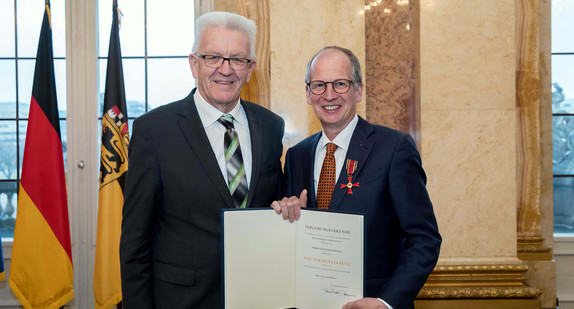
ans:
(41, 273)
(113, 168)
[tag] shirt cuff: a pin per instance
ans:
(386, 304)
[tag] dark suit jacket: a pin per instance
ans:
(402, 240)
(170, 248)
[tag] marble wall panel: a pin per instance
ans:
(468, 124)
(470, 163)
(467, 54)
(391, 29)
(528, 94)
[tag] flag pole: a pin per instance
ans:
(120, 304)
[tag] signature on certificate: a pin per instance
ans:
(338, 292)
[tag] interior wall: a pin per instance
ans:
(298, 30)
(468, 123)
(468, 126)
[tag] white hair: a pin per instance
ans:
(229, 21)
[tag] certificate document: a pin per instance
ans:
(315, 262)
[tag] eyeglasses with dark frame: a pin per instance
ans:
(319, 87)
(214, 61)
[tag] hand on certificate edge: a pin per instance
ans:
(365, 303)
(290, 207)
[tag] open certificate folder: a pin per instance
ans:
(315, 262)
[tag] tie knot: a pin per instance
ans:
(227, 121)
(331, 148)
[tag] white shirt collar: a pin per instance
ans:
(209, 114)
(343, 139)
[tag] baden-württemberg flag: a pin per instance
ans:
(41, 273)
(113, 168)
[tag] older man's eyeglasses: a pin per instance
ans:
(319, 87)
(214, 61)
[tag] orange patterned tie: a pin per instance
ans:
(327, 178)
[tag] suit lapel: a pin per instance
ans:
(255, 131)
(359, 150)
(194, 133)
(309, 166)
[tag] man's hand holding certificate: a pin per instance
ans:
(290, 207)
(313, 262)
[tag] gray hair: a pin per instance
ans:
(229, 21)
(356, 75)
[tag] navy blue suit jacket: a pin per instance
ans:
(402, 241)
(170, 247)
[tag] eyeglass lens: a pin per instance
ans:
(340, 86)
(217, 61)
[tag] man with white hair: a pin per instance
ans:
(188, 160)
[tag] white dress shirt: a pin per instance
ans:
(215, 133)
(342, 140)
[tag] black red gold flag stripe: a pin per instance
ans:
(41, 273)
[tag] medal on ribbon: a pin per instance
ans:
(351, 168)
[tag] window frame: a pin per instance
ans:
(83, 137)
(561, 237)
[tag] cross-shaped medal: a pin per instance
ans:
(350, 185)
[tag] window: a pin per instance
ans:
(563, 115)
(156, 37)
(17, 61)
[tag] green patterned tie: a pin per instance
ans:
(234, 163)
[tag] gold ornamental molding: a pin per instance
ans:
(478, 281)
(454, 269)
(532, 248)
(478, 292)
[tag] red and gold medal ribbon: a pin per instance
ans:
(351, 167)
